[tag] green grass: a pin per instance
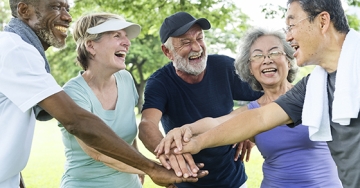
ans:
(45, 166)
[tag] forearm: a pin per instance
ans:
(229, 132)
(208, 123)
(108, 161)
(150, 135)
(202, 125)
(244, 125)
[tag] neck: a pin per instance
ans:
(330, 54)
(271, 93)
(190, 78)
(97, 80)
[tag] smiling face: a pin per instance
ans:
(269, 72)
(50, 21)
(110, 51)
(189, 52)
(304, 35)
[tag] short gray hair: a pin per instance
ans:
(242, 63)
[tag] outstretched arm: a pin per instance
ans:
(184, 133)
(96, 134)
(240, 127)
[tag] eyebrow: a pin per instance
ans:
(258, 50)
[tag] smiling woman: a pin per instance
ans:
(107, 90)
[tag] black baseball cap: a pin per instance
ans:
(179, 23)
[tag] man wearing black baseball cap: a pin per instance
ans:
(193, 86)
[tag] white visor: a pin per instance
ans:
(132, 30)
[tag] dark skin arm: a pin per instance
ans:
(96, 134)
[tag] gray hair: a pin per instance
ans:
(242, 63)
(14, 3)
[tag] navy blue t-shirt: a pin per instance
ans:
(182, 103)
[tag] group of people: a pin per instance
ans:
(192, 97)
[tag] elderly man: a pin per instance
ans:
(25, 82)
(193, 86)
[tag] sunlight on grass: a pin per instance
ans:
(45, 166)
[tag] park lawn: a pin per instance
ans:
(45, 165)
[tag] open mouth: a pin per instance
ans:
(120, 54)
(270, 70)
(195, 56)
(62, 29)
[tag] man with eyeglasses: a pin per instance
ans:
(327, 100)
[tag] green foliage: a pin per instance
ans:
(228, 24)
(5, 13)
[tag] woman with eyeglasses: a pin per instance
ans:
(291, 159)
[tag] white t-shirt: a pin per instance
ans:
(24, 82)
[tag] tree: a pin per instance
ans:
(5, 14)
(145, 55)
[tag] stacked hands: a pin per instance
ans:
(175, 149)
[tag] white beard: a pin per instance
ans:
(184, 65)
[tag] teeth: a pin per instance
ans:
(194, 56)
(268, 70)
(61, 28)
(120, 54)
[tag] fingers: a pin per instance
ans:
(248, 152)
(243, 150)
(187, 135)
(165, 145)
(238, 150)
(191, 164)
(163, 160)
(202, 173)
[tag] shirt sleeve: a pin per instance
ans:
(23, 78)
(292, 101)
(154, 95)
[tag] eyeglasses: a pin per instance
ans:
(259, 58)
(289, 28)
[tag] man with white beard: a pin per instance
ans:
(193, 86)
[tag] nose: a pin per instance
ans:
(126, 42)
(65, 15)
(267, 59)
(288, 36)
(196, 46)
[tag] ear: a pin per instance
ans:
(90, 48)
(166, 52)
(325, 22)
(24, 11)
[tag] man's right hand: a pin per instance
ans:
(163, 177)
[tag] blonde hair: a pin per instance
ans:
(81, 37)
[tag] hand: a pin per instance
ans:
(193, 146)
(182, 164)
(177, 136)
(161, 176)
(243, 149)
